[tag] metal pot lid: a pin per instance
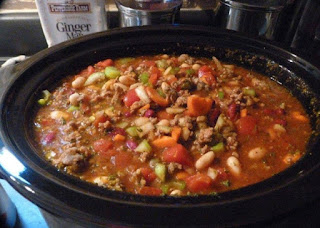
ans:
(264, 5)
(139, 6)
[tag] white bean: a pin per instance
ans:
(234, 165)
(74, 99)
(205, 160)
(78, 82)
(196, 66)
(183, 57)
(184, 65)
(165, 56)
(57, 115)
(257, 153)
(135, 85)
(127, 80)
(175, 110)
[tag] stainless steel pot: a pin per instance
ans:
(148, 12)
(257, 18)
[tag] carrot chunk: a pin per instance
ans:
(176, 132)
(164, 141)
(198, 106)
(119, 137)
(155, 96)
(298, 116)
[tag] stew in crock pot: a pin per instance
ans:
(170, 125)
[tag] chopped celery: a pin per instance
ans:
(122, 124)
(110, 112)
(220, 95)
(45, 99)
(165, 188)
(153, 162)
(249, 91)
(112, 72)
(190, 72)
(162, 63)
(144, 77)
(178, 184)
(95, 77)
(219, 147)
(144, 146)
(160, 170)
(226, 183)
(132, 131)
(92, 118)
(73, 108)
(125, 60)
(174, 70)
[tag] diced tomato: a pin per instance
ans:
(206, 74)
(247, 125)
(213, 116)
(178, 154)
(105, 63)
(148, 174)
(280, 111)
(198, 183)
(155, 73)
(99, 118)
(117, 131)
(150, 191)
(102, 146)
(90, 70)
(268, 111)
(155, 70)
(122, 160)
(233, 111)
(130, 97)
(149, 63)
(204, 70)
(222, 174)
(49, 138)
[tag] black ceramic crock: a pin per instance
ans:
(84, 203)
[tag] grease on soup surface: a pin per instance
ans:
(174, 125)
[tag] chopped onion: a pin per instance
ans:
(141, 93)
(141, 121)
(145, 129)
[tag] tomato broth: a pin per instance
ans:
(170, 125)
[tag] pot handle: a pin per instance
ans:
(10, 69)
